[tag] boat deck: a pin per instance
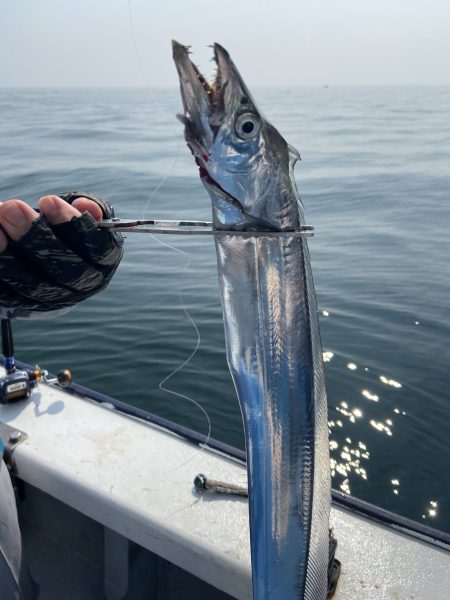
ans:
(136, 481)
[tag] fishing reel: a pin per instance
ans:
(17, 384)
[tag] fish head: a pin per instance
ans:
(244, 162)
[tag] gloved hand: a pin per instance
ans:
(53, 260)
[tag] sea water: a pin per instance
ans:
(375, 182)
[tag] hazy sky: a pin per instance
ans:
(281, 42)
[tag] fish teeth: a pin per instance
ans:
(183, 118)
(203, 81)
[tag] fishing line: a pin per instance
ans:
(158, 108)
(138, 56)
(162, 384)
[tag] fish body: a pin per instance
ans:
(271, 327)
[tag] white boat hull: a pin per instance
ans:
(136, 480)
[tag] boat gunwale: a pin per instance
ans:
(414, 529)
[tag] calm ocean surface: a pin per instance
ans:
(375, 181)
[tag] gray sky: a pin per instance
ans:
(281, 42)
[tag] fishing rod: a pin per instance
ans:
(17, 384)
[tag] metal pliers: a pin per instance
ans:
(159, 226)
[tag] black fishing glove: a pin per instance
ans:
(53, 267)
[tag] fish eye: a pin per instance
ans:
(247, 126)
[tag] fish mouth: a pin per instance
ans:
(203, 100)
(205, 106)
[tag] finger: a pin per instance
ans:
(56, 210)
(42, 249)
(96, 246)
(86, 205)
(3, 239)
(16, 218)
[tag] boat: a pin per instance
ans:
(108, 509)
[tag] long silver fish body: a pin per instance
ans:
(271, 327)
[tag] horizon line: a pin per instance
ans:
(260, 86)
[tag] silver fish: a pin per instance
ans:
(271, 327)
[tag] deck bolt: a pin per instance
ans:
(202, 484)
(15, 436)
